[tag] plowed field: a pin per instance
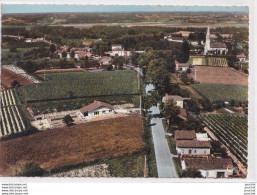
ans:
(219, 75)
(7, 77)
(72, 145)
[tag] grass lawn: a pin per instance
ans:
(74, 104)
(178, 167)
(127, 166)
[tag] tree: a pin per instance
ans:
(192, 123)
(52, 48)
(68, 120)
(72, 55)
(192, 173)
(15, 83)
(118, 61)
(185, 51)
(171, 110)
(217, 148)
(108, 67)
(64, 54)
(13, 49)
(32, 170)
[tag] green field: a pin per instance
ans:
(72, 85)
(232, 130)
(74, 104)
(216, 92)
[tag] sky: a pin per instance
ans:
(32, 8)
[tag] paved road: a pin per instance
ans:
(165, 166)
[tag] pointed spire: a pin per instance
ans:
(208, 30)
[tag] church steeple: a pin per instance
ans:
(207, 45)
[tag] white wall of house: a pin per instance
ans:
(174, 40)
(210, 173)
(213, 173)
(180, 103)
(120, 53)
(183, 69)
(241, 59)
(220, 50)
(100, 112)
(194, 151)
(116, 47)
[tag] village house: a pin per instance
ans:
(188, 144)
(79, 53)
(219, 48)
(193, 42)
(175, 98)
(105, 60)
(181, 67)
(96, 109)
(117, 46)
(210, 167)
(241, 57)
(172, 38)
(193, 147)
(29, 40)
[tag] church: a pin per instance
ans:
(216, 48)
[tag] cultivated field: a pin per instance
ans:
(219, 75)
(7, 77)
(79, 84)
(232, 130)
(11, 118)
(73, 145)
(216, 92)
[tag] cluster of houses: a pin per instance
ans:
(79, 53)
(194, 150)
(118, 50)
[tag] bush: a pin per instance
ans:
(32, 170)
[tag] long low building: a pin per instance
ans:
(210, 167)
(188, 144)
(193, 147)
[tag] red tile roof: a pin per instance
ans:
(218, 45)
(95, 105)
(185, 135)
(181, 64)
(208, 163)
(183, 113)
(193, 144)
(241, 55)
